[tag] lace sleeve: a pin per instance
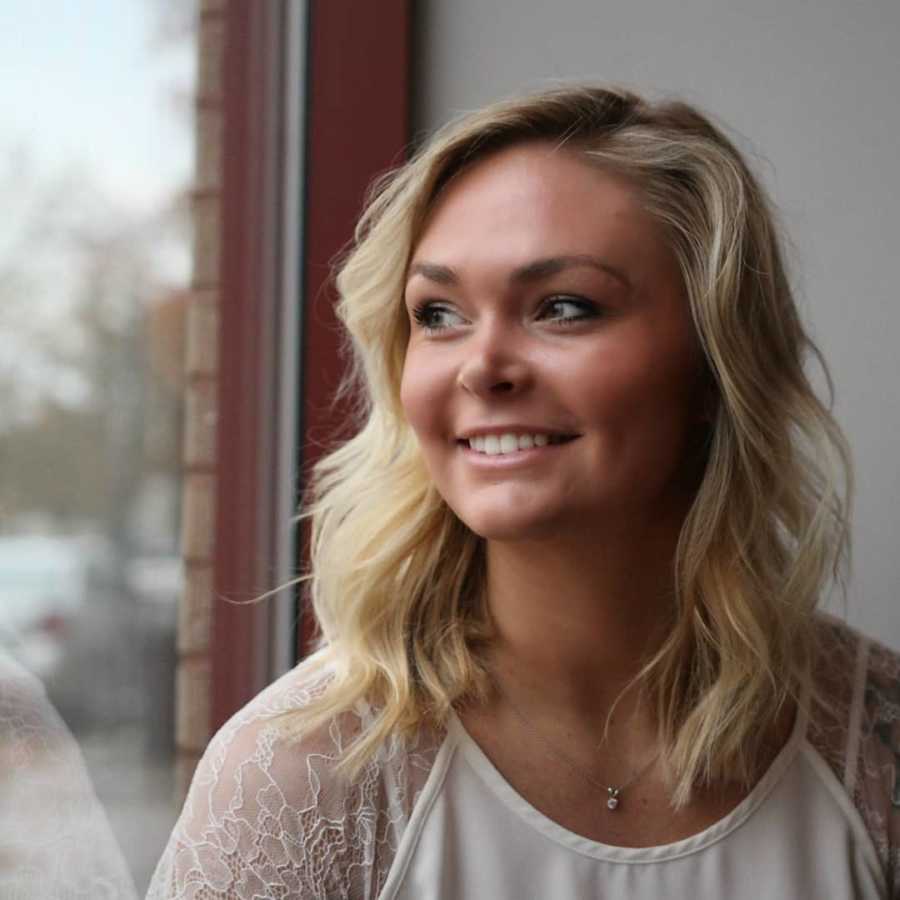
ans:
(55, 840)
(269, 817)
(879, 759)
(857, 733)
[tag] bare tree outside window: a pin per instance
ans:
(94, 266)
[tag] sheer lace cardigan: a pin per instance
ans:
(269, 818)
(55, 840)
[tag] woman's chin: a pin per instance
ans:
(507, 526)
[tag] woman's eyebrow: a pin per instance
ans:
(530, 272)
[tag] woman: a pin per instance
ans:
(567, 571)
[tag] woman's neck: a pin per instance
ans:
(576, 619)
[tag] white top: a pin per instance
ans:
(433, 818)
(472, 835)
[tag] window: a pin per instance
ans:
(96, 161)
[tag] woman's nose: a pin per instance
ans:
(493, 365)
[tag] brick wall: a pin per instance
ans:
(201, 403)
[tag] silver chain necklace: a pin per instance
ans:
(613, 794)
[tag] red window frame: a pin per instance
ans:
(357, 126)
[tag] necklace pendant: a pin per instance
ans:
(613, 800)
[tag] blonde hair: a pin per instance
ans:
(396, 579)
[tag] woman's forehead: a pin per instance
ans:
(531, 202)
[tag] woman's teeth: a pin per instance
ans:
(493, 444)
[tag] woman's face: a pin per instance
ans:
(552, 372)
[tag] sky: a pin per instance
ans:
(89, 124)
(83, 85)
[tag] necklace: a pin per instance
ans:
(613, 794)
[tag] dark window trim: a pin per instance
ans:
(248, 354)
(357, 125)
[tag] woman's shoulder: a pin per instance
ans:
(855, 726)
(855, 685)
(874, 769)
(274, 749)
(274, 724)
(266, 718)
(271, 812)
(849, 661)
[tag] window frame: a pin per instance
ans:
(303, 79)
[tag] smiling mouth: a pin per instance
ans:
(506, 444)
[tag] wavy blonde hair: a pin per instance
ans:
(396, 579)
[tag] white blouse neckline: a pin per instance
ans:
(543, 824)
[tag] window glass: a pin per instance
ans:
(96, 159)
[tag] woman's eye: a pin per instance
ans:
(568, 309)
(436, 316)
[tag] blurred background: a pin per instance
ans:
(177, 177)
(96, 162)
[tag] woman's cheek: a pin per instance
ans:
(424, 397)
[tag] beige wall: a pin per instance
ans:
(811, 90)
